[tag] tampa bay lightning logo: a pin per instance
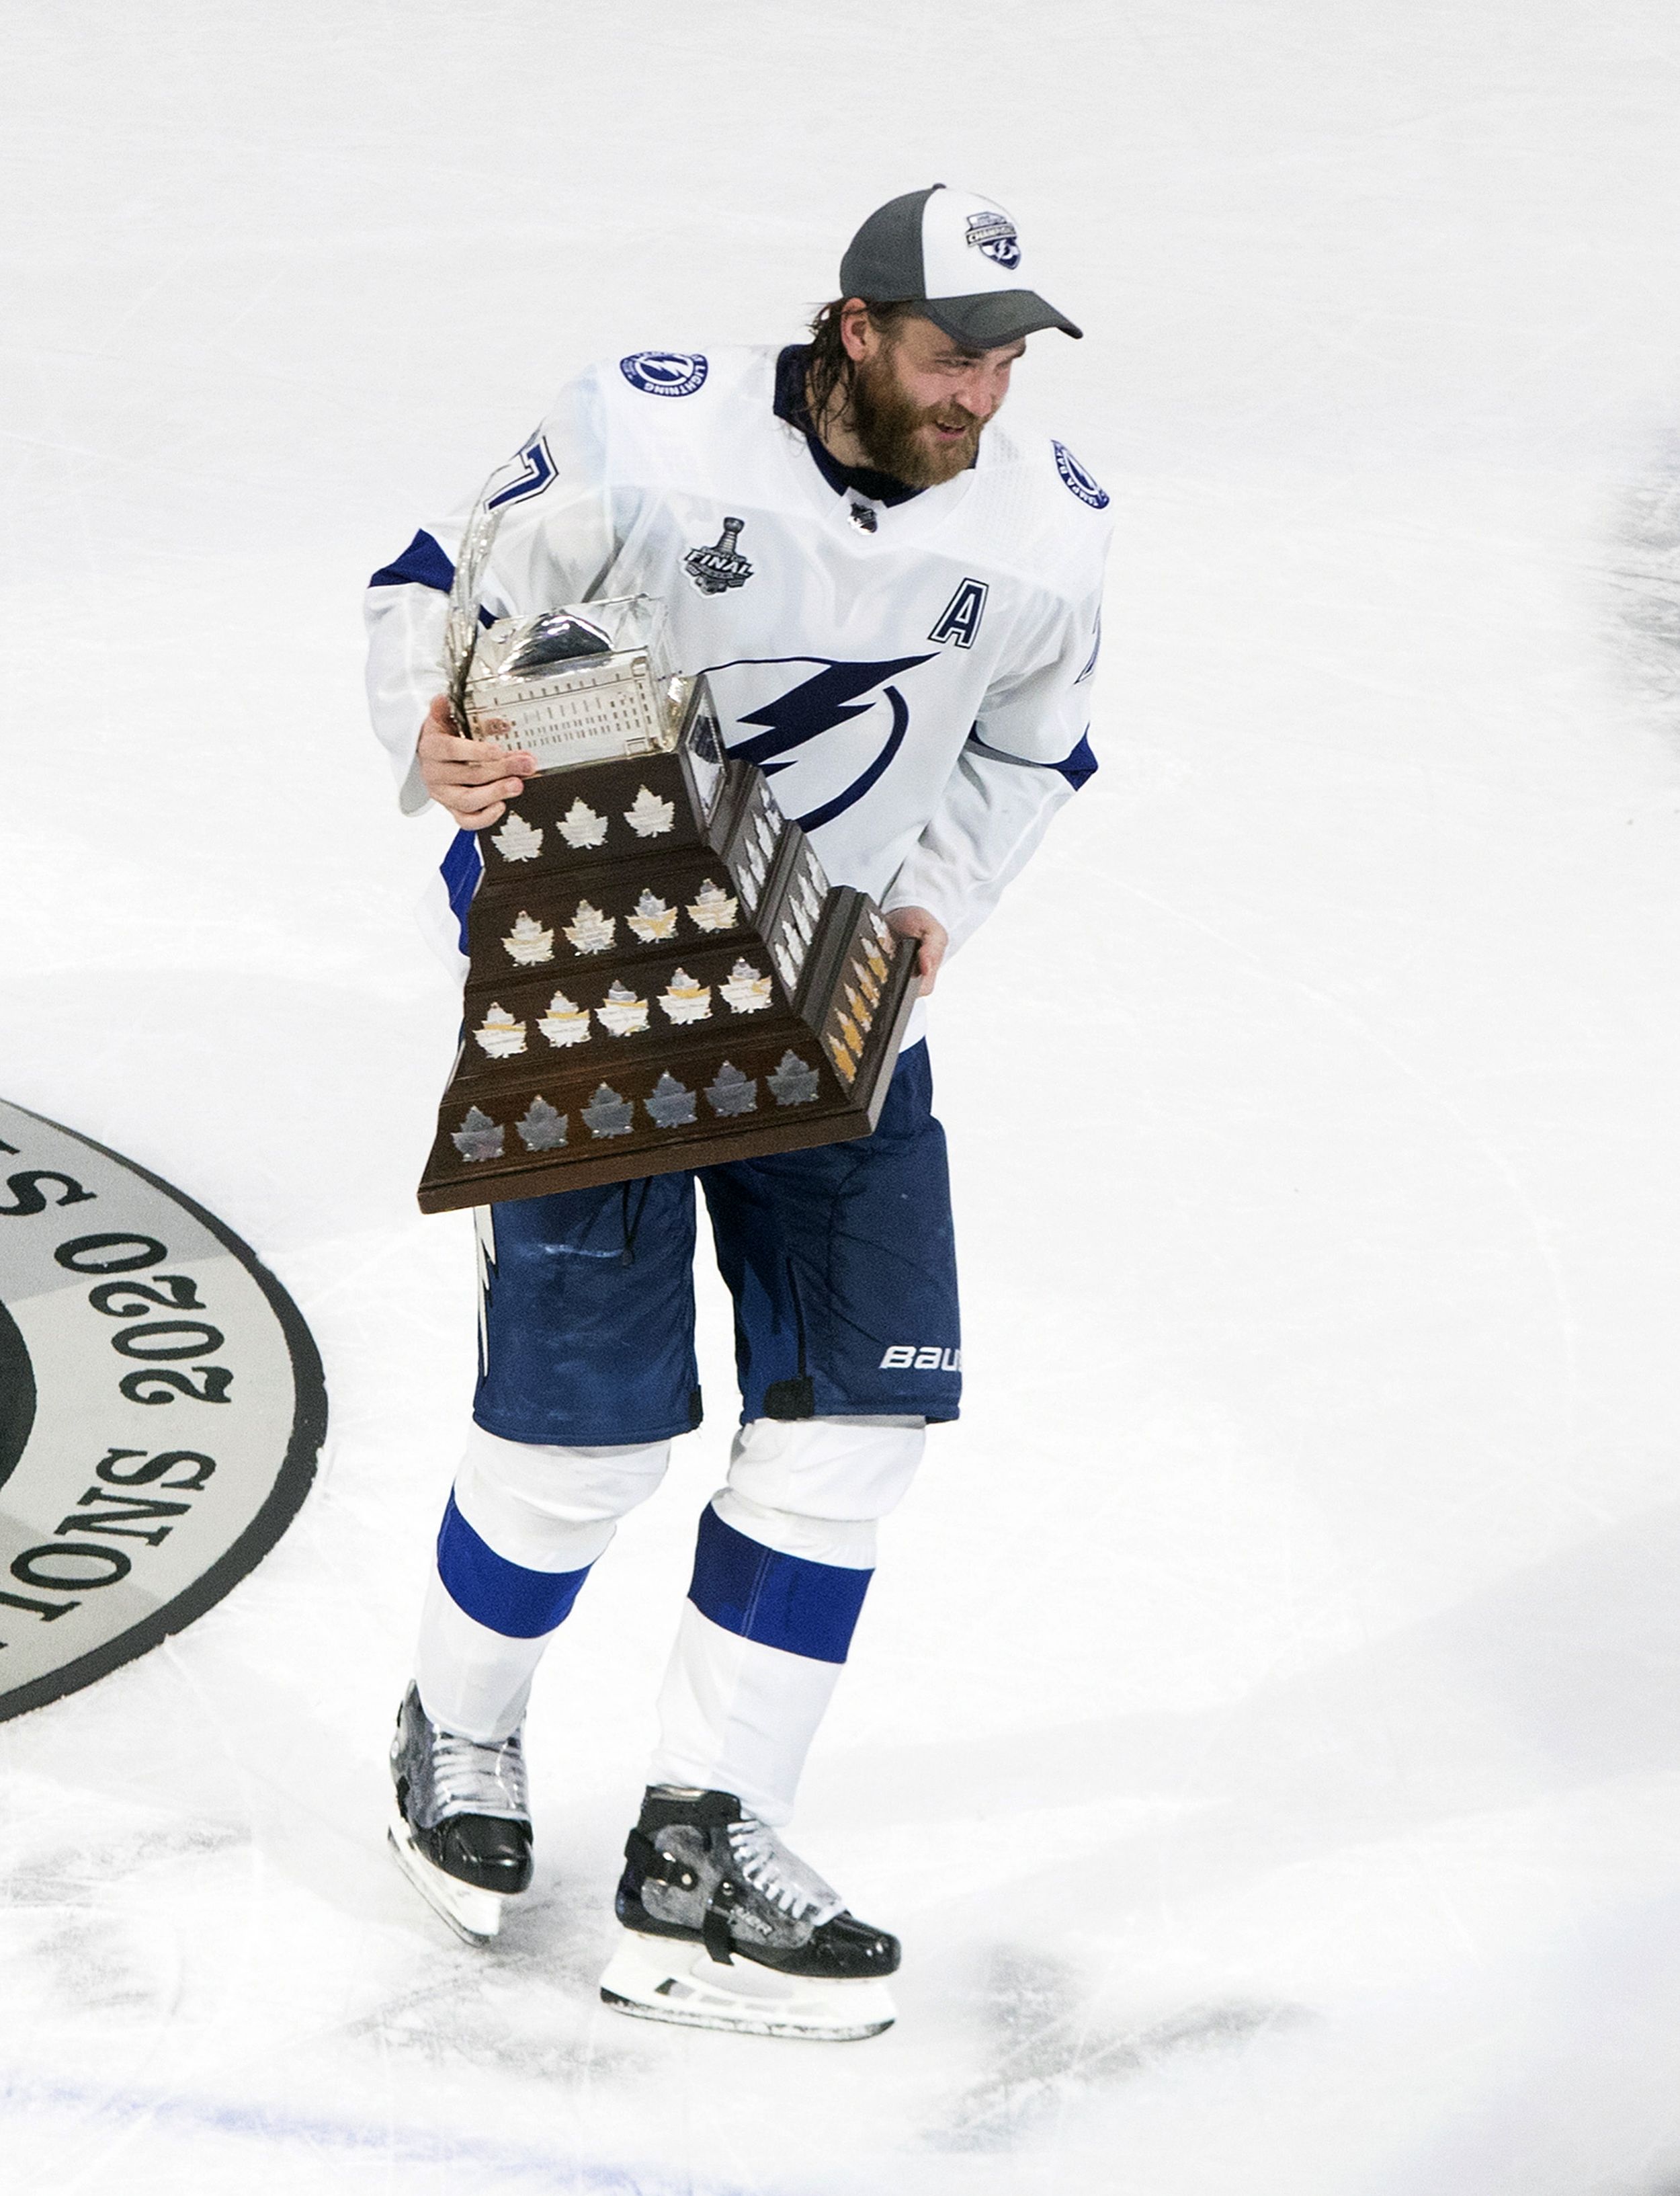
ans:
(1074, 476)
(829, 775)
(664, 373)
(994, 235)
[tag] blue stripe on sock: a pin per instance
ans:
(780, 1601)
(503, 1597)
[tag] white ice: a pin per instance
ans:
(1264, 1728)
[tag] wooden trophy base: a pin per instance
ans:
(708, 1096)
(661, 976)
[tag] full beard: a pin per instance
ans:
(886, 422)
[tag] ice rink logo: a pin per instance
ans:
(664, 373)
(994, 234)
(1074, 476)
(161, 1404)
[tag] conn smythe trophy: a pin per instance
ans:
(659, 974)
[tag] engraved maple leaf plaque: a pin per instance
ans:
(661, 974)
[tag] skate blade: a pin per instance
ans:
(663, 1979)
(472, 1914)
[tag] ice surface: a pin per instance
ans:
(1264, 1729)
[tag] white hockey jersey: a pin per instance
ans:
(913, 674)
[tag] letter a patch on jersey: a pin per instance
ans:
(959, 619)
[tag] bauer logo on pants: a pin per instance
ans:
(920, 1357)
(161, 1404)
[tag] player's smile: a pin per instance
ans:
(919, 402)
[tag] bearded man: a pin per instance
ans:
(896, 607)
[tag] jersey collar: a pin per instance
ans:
(844, 480)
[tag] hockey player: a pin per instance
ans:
(897, 605)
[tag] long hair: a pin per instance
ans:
(829, 370)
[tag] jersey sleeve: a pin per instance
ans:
(554, 543)
(1027, 754)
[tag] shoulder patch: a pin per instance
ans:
(1077, 480)
(664, 373)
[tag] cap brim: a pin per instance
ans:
(992, 317)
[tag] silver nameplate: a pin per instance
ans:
(589, 684)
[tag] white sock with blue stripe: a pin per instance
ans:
(523, 1524)
(784, 1556)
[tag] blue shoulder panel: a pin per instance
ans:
(422, 564)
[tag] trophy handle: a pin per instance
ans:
(465, 596)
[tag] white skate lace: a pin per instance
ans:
(781, 1876)
(471, 1776)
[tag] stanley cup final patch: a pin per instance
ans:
(161, 1406)
(719, 564)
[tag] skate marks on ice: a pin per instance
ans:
(94, 1972)
(524, 2006)
(1047, 2045)
(116, 2010)
(1381, 1830)
(1644, 578)
(77, 1935)
(161, 1406)
(291, 2151)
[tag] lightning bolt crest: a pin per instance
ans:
(816, 706)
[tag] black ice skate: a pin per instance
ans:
(462, 1832)
(726, 1928)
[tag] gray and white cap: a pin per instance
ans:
(957, 255)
